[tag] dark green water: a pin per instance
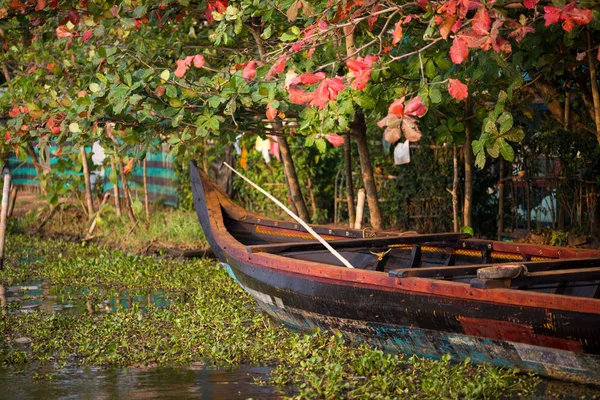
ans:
(158, 383)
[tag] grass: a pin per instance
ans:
(209, 318)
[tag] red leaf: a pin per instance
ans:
(459, 51)
(214, 5)
(397, 107)
(447, 25)
(198, 61)
(41, 4)
(457, 89)
(182, 67)
(482, 22)
(7, 136)
(63, 32)
(411, 130)
(309, 79)
(580, 56)
(373, 18)
(127, 168)
(415, 107)
(570, 16)
(598, 55)
(276, 69)
(397, 36)
(74, 17)
(271, 112)
(530, 3)
(327, 91)
(520, 33)
(299, 96)
(335, 139)
(87, 35)
(249, 71)
(14, 111)
(392, 135)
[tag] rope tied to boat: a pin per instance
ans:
(380, 255)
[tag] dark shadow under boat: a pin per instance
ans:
(526, 306)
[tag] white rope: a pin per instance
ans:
(297, 218)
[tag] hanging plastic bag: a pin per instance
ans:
(402, 153)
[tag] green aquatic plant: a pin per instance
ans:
(208, 319)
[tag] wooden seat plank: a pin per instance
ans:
(356, 243)
(464, 270)
(539, 278)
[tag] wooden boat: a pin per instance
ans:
(536, 308)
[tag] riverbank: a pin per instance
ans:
(203, 317)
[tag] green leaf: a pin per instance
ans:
(430, 71)
(493, 149)
(435, 95)
(514, 135)
(321, 144)
(506, 122)
(74, 127)
(365, 101)
(480, 160)
(506, 150)
(171, 91)
(287, 37)
(140, 11)
(94, 87)
(467, 229)
(165, 75)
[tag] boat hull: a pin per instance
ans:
(425, 325)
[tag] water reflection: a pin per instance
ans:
(38, 296)
(164, 383)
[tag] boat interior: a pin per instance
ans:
(454, 257)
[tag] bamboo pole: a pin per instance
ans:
(4, 213)
(454, 191)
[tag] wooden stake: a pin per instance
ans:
(295, 217)
(454, 191)
(4, 212)
(360, 208)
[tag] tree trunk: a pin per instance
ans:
(348, 173)
(292, 179)
(360, 133)
(146, 194)
(454, 191)
(501, 199)
(37, 165)
(14, 192)
(468, 150)
(88, 185)
(116, 188)
(594, 79)
(128, 200)
(4, 213)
